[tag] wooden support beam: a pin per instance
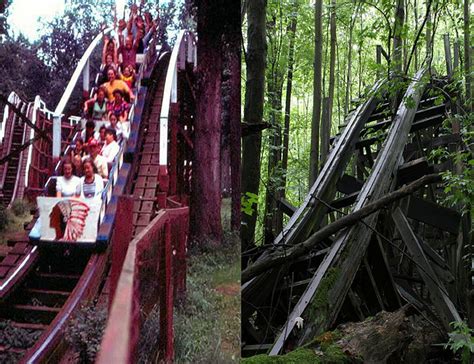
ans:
(438, 294)
(286, 207)
(413, 170)
(433, 214)
(349, 184)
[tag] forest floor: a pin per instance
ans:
(207, 326)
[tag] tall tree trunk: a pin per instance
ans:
(317, 92)
(349, 61)
(415, 11)
(397, 38)
(205, 219)
(289, 85)
(429, 30)
(326, 129)
(467, 57)
(253, 111)
(231, 105)
(273, 216)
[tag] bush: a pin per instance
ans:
(20, 207)
(3, 218)
(85, 331)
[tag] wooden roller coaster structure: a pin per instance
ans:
(143, 218)
(412, 250)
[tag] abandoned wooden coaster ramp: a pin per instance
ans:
(44, 283)
(414, 250)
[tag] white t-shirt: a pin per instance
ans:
(109, 151)
(68, 186)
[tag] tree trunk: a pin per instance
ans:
(467, 57)
(332, 65)
(289, 85)
(205, 219)
(349, 62)
(397, 38)
(317, 91)
(231, 112)
(253, 112)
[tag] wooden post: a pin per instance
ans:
(121, 237)
(438, 294)
(56, 137)
(85, 80)
(166, 297)
(173, 147)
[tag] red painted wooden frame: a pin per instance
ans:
(154, 270)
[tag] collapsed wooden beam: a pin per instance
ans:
(279, 258)
(319, 306)
(438, 293)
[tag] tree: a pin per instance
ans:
(3, 18)
(64, 42)
(326, 121)
(317, 91)
(467, 57)
(289, 86)
(22, 71)
(231, 109)
(205, 219)
(253, 112)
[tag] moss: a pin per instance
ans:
(319, 304)
(302, 356)
(328, 354)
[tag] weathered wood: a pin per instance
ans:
(290, 254)
(349, 184)
(433, 214)
(413, 170)
(286, 207)
(438, 294)
(334, 275)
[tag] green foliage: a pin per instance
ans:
(84, 332)
(461, 341)
(459, 181)
(209, 318)
(22, 70)
(247, 202)
(20, 207)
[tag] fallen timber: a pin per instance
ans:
(355, 274)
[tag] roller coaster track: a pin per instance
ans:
(354, 273)
(42, 287)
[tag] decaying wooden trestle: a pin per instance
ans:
(410, 251)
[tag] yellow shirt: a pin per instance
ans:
(117, 85)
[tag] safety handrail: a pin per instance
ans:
(12, 98)
(183, 51)
(77, 72)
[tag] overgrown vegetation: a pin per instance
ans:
(207, 325)
(84, 332)
(461, 341)
(13, 219)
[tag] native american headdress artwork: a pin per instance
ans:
(68, 219)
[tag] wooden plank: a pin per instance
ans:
(433, 214)
(349, 184)
(413, 170)
(438, 294)
(286, 207)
